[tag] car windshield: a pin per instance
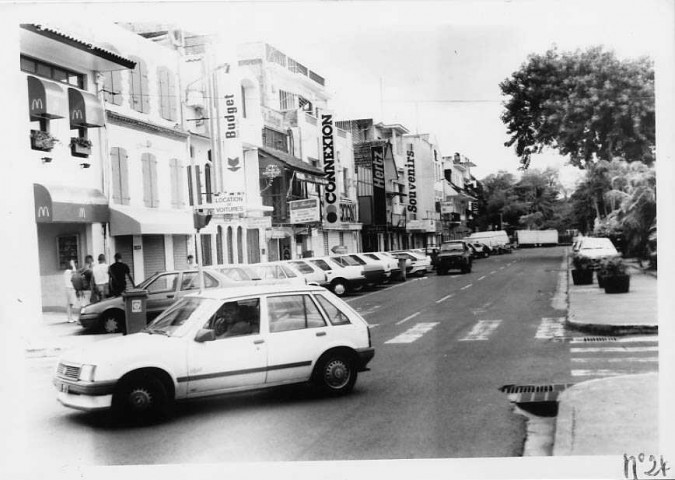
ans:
(179, 313)
(597, 243)
(452, 247)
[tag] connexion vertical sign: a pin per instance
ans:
(330, 212)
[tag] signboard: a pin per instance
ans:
(136, 306)
(412, 180)
(232, 203)
(447, 207)
(258, 222)
(422, 225)
(379, 194)
(330, 210)
(304, 211)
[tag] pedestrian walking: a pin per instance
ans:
(119, 272)
(72, 301)
(101, 281)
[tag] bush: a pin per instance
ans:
(613, 267)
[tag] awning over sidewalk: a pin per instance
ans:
(305, 171)
(149, 221)
(69, 204)
(85, 109)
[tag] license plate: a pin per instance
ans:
(63, 387)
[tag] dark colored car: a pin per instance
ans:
(163, 289)
(454, 255)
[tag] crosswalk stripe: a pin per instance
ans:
(550, 328)
(616, 359)
(407, 318)
(493, 271)
(614, 349)
(600, 372)
(413, 333)
(481, 331)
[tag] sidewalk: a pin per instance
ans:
(54, 334)
(614, 415)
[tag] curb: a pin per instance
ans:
(598, 329)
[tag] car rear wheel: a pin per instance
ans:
(335, 374)
(112, 322)
(140, 398)
(338, 287)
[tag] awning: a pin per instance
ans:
(149, 221)
(45, 99)
(85, 109)
(69, 204)
(269, 156)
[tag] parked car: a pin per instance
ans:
(163, 289)
(480, 249)
(454, 255)
(275, 273)
(389, 265)
(374, 273)
(595, 249)
(237, 273)
(342, 279)
(216, 342)
(417, 262)
(310, 271)
(390, 261)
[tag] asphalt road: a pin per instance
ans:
(444, 347)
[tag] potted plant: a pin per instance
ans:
(616, 277)
(41, 140)
(600, 274)
(80, 146)
(582, 273)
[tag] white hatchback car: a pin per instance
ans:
(220, 341)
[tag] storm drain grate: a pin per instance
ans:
(534, 393)
(585, 339)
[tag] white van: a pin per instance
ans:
(498, 240)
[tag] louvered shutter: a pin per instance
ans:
(180, 185)
(153, 177)
(198, 190)
(173, 167)
(108, 87)
(124, 176)
(116, 180)
(189, 180)
(145, 90)
(147, 181)
(171, 96)
(163, 87)
(135, 85)
(116, 86)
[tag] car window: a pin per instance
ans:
(288, 271)
(370, 255)
(322, 265)
(293, 312)
(191, 281)
(335, 316)
(179, 313)
(302, 267)
(451, 247)
(347, 261)
(235, 319)
(163, 283)
(357, 259)
(236, 274)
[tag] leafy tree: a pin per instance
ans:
(586, 104)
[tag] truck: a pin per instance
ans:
(537, 238)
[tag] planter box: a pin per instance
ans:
(79, 151)
(41, 145)
(582, 277)
(617, 284)
(601, 279)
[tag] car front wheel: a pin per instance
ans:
(140, 398)
(339, 287)
(335, 374)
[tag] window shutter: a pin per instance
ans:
(189, 180)
(116, 86)
(180, 172)
(147, 181)
(163, 88)
(198, 190)
(171, 96)
(124, 176)
(153, 177)
(116, 172)
(145, 90)
(108, 89)
(135, 85)
(208, 176)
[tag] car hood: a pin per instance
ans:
(598, 253)
(458, 253)
(125, 350)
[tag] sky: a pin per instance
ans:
(434, 67)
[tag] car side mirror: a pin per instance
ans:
(205, 335)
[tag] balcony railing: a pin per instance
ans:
(275, 56)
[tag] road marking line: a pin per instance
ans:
(501, 268)
(466, 286)
(550, 328)
(402, 284)
(408, 318)
(481, 278)
(444, 298)
(616, 359)
(454, 276)
(493, 271)
(373, 325)
(600, 372)
(481, 331)
(413, 333)
(614, 349)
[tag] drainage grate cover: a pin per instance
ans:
(584, 339)
(534, 393)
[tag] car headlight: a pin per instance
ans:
(87, 373)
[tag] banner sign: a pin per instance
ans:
(224, 203)
(379, 194)
(330, 211)
(304, 211)
(412, 181)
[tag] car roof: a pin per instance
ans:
(244, 291)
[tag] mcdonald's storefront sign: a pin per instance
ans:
(71, 205)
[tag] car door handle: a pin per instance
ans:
(320, 334)
(258, 342)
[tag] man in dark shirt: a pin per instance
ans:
(119, 272)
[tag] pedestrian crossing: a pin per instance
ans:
(613, 357)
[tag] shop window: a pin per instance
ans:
(52, 72)
(274, 139)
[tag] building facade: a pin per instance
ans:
(460, 198)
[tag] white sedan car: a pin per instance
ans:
(220, 341)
